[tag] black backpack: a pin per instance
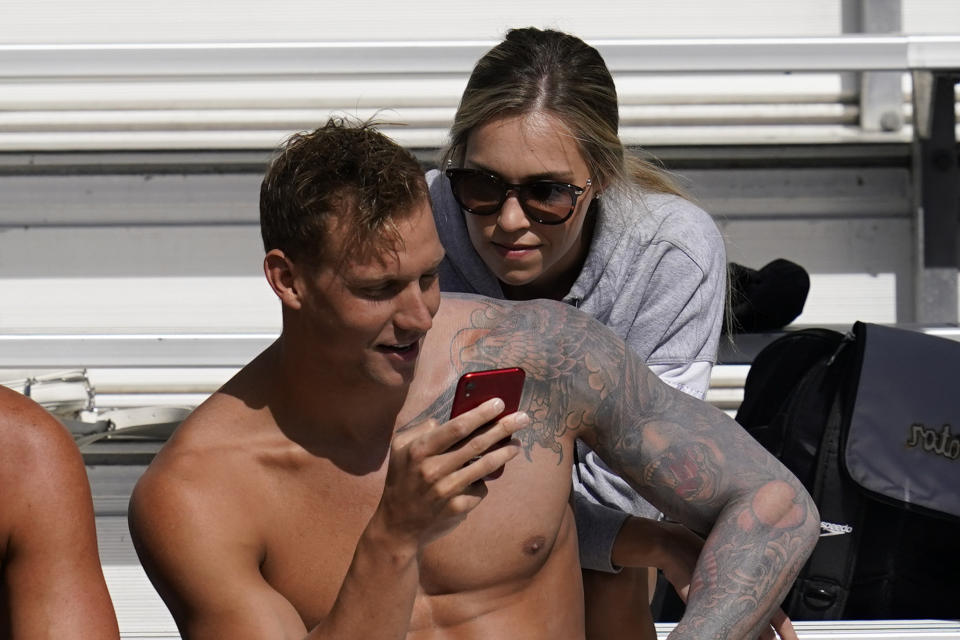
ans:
(869, 421)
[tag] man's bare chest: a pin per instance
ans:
(312, 528)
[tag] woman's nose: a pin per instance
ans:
(511, 216)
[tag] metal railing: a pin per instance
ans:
(251, 95)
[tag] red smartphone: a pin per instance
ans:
(477, 387)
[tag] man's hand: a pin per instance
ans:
(436, 471)
(782, 626)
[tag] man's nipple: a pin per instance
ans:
(533, 545)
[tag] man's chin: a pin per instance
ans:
(395, 376)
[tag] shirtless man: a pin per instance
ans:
(323, 492)
(51, 583)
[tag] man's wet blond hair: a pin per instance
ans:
(346, 176)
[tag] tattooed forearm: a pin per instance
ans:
(752, 560)
(700, 467)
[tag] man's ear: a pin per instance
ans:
(281, 276)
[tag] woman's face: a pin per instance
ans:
(522, 253)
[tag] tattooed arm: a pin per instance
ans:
(683, 455)
(701, 468)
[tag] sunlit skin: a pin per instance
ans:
(367, 321)
(283, 471)
(51, 581)
(324, 493)
(531, 260)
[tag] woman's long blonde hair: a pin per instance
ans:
(535, 70)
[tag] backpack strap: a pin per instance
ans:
(821, 590)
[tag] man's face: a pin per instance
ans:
(368, 319)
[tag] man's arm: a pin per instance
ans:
(49, 561)
(205, 563)
(701, 468)
(686, 457)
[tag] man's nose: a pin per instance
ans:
(414, 313)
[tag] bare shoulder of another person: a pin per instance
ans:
(54, 584)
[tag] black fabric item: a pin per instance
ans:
(766, 299)
(889, 491)
(775, 375)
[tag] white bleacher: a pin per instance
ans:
(76, 97)
(153, 250)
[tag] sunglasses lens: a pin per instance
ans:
(547, 202)
(483, 194)
(477, 192)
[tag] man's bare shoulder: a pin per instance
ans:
(200, 473)
(35, 449)
(196, 500)
(208, 449)
(571, 360)
(41, 470)
(484, 332)
(54, 585)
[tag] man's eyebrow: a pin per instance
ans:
(372, 281)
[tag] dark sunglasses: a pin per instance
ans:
(543, 201)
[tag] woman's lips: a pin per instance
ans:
(514, 251)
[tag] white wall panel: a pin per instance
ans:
(873, 254)
(841, 192)
(869, 246)
(136, 305)
(110, 199)
(860, 269)
(99, 21)
(129, 252)
(931, 16)
(209, 95)
(121, 252)
(116, 21)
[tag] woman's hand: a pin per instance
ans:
(680, 552)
